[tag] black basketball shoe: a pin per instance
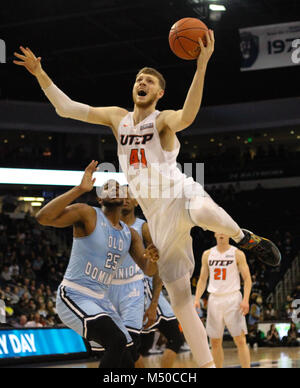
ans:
(263, 249)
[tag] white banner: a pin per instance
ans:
(265, 47)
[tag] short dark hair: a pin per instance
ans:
(157, 74)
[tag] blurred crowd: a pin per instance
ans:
(31, 268)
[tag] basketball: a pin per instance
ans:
(184, 35)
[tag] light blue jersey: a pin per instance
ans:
(95, 258)
(127, 290)
(128, 270)
(82, 295)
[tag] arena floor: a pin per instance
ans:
(260, 358)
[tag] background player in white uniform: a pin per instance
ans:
(147, 150)
(223, 264)
(100, 244)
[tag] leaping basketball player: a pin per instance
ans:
(223, 264)
(147, 151)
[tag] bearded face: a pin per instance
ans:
(146, 91)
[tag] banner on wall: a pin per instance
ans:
(271, 46)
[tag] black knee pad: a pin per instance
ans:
(170, 330)
(105, 332)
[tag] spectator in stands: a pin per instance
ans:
(273, 338)
(35, 321)
(42, 310)
(270, 314)
(255, 336)
(21, 323)
(6, 274)
(38, 265)
(296, 293)
(255, 312)
(14, 269)
(51, 309)
(288, 310)
(292, 336)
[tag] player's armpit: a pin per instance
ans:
(172, 119)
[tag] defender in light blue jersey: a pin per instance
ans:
(100, 243)
(127, 289)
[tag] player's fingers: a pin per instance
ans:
(24, 51)
(20, 56)
(30, 53)
(207, 37)
(90, 165)
(19, 63)
(201, 44)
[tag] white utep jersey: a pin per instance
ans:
(151, 172)
(162, 191)
(224, 275)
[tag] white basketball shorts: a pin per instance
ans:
(224, 310)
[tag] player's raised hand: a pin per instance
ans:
(150, 316)
(29, 61)
(151, 253)
(206, 50)
(87, 182)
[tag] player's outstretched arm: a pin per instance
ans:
(183, 118)
(145, 258)
(150, 314)
(201, 285)
(245, 272)
(64, 106)
(60, 213)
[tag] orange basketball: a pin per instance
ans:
(184, 35)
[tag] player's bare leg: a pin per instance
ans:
(217, 351)
(243, 350)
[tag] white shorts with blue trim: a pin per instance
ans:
(76, 309)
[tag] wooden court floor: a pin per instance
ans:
(260, 358)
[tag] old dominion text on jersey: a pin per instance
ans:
(95, 258)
